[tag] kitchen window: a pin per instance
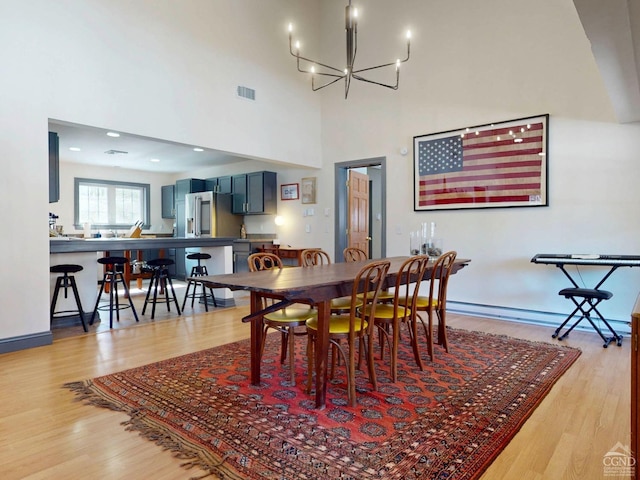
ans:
(110, 204)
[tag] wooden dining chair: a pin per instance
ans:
(263, 261)
(284, 320)
(388, 317)
(436, 303)
(353, 254)
(351, 326)
(314, 256)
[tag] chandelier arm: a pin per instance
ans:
(308, 60)
(326, 74)
(392, 87)
(374, 68)
(384, 65)
(315, 89)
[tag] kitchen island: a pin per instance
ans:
(86, 252)
(74, 245)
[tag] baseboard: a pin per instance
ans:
(220, 302)
(224, 302)
(535, 317)
(71, 320)
(14, 344)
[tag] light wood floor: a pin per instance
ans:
(45, 434)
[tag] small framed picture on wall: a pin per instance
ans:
(289, 191)
(309, 190)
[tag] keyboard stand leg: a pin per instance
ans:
(615, 338)
(557, 332)
(566, 334)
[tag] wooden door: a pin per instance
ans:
(358, 218)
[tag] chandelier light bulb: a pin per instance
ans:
(298, 45)
(398, 64)
(355, 13)
(313, 69)
(290, 27)
(408, 34)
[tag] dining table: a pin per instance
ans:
(316, 286)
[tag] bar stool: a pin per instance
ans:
(113, 275)
(160, 279)
(198, 271)
(66, 280)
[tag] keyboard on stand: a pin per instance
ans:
(587, 259)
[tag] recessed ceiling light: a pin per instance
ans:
(74, 149)
(155, 160)
(113, 134)
(198, 149)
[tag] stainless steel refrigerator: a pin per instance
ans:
(208, 214)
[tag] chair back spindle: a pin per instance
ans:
(314, 256)
(263, 261)
(353, 254)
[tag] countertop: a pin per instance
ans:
(254, 240)
(73, 245)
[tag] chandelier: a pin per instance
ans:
(331, 75)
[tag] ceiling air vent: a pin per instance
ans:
(115, 152)
(246, 92)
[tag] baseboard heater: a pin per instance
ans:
(534, 317)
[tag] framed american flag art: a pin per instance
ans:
(495, 165)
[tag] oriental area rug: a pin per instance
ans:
(449, 421)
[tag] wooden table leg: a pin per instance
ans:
(256, 338)
(322, 352)
(107, 287)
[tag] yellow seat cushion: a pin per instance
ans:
(291, 315)
(423, 302)
(385, 310)
(384, 296)
(343, 303)
(338, 324)
(369, 295)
